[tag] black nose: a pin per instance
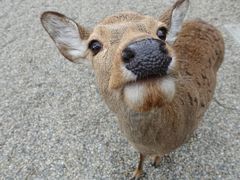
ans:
(147, 57)
(128, 54)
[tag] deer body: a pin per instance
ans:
(157, 76)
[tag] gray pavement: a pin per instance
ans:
(53, 124)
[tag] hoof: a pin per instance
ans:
(155, 165)
(156, 162)
(137, 175)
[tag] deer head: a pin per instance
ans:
(131, 54)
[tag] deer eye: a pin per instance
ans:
(162, 33)
(95, 46)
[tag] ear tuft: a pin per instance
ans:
(67, 35)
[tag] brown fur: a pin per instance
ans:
(159, 125)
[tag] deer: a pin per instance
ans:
(158, 75)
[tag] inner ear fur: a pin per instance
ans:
(69, 37)
(173, 18)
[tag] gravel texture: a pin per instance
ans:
(54, 125)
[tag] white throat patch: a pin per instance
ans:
(134, 94)
(167, 87)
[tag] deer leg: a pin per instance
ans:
(156, 161)
(138, 173)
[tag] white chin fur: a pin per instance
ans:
(134, 94)
(128, 75)
(167, 87)
(172, 65)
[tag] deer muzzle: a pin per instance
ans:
(147, 58)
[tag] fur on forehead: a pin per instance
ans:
(113, 27)
(122, 17)
(127, 18)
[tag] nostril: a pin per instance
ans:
(127, 55)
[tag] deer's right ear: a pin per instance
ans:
(173, 18)
(69, 37)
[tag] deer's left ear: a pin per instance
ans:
(69, 37)
(173, 18)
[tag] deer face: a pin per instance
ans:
(131, 54)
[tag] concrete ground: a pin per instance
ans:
(53, 124)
